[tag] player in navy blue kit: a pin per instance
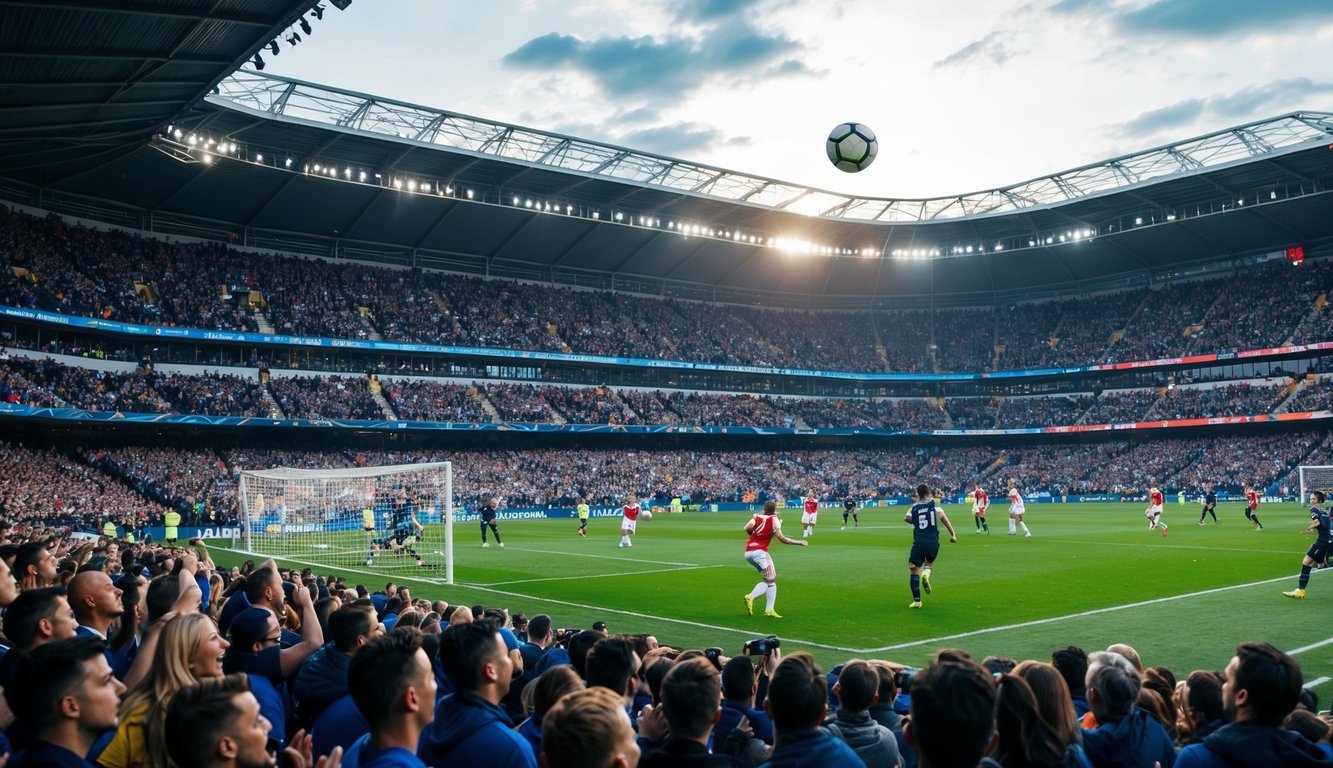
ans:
(403, 531)
(1320, 522)
(1209, 504)
(488, 513)
(925, 518)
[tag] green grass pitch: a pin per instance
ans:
(1091, 575)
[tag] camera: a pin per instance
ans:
(563, 636)
(714, 655)
(761, 647)
(903, 679)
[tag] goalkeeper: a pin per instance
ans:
(403, 531)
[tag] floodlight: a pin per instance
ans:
(341, 4)
(293, 38)
(259, 61)
(273, 46)
(318, 11)
(305, 26)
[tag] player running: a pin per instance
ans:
(810, 515)
(583, 517)
(763, 528)
(1318, 551)
(849, 507)
(925, 517)
(979, 503)
(1154, 510)
(629, 519)
(1016, 509)
(488, 513)
(1252, 506)
(1209, 503)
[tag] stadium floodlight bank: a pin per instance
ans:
(353, 518)
(1315, 478)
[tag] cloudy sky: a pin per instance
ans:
(965, 95)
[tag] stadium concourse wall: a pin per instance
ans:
(194, 334)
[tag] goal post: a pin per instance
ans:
(1315, 478)
(361, 517)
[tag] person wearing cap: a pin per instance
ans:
(255, 649)
(266, 589)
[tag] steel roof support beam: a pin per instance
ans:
(135, 9)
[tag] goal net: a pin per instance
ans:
(1318, 478)
(395, 519)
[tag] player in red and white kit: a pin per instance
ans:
(629, 518)
(763, 528)
(1252, 506)
(810, 515)
(1154, 510)
(1016, 510)
(979, 503)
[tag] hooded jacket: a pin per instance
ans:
(469, 730)
(1254, 746)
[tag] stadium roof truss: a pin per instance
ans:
(300, 100)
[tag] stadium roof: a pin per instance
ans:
(83, 81)
(288, 165)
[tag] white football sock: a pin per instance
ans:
(1024, 526)
(759, 590)
(772, 597)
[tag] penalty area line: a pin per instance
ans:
(593, 576)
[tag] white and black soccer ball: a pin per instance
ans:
(646, 515)
(852, 147)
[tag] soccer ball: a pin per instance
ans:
(647, 515)
(852, 147)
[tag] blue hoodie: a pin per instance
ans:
(469, 730)
(1133, 741)
(812, 748)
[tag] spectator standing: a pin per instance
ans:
(470, 728)
(857, 690)
(394, 687)
(71, 698)
(1125, 735)
(798, 702)
(952, 718)
(1263, 685)
(589, 729)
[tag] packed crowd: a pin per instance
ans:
(139, 483)
(325, 397)
(75, 270)
(50, 383)
(125, 654)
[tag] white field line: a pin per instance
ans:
(1310, 647)
(1071, 616)
(813, 644)
(601, 557)
(582, 578)
(1318, 681)
(795, 642)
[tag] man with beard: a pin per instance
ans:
(71, 698)
(96, 603)
(1263, 685)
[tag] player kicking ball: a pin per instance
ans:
(629, 519)
(1154, 510)
(763, 528)
(1318, 551)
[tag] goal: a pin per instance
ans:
(358, 518)
(1318, 478)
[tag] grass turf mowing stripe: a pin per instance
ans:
(580, 578)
